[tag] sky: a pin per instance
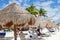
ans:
(51, 6)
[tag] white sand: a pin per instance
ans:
(11, 34)
(55, 36)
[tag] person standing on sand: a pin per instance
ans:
(38, 32)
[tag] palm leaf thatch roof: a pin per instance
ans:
(51, 24)
(45, 23)
(14, 7)
(16, 14)
(41, 22)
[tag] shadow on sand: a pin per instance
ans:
(6, 38)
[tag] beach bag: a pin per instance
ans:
(51, 30)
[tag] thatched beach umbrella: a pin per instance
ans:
(14, 13)
(50, 24)
(41, 22)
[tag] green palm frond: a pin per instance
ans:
(42, 12)
(34, 11)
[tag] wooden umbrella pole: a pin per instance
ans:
(39, 30)
(15, 33)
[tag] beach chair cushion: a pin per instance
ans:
(2, 34)
(51, 30)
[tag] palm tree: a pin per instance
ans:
(35, 11)
(42, 12)
(32, 10)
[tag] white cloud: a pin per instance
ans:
(46, 5)
(56, 17)
(51, 11)
(25, 5)
(58, 1)
(37, 4)
(57, 14)
(19, 2)
(16, 0)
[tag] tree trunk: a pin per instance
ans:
(15, 33)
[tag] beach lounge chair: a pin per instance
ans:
(51, 30)
(2, 34)
(6, 30)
